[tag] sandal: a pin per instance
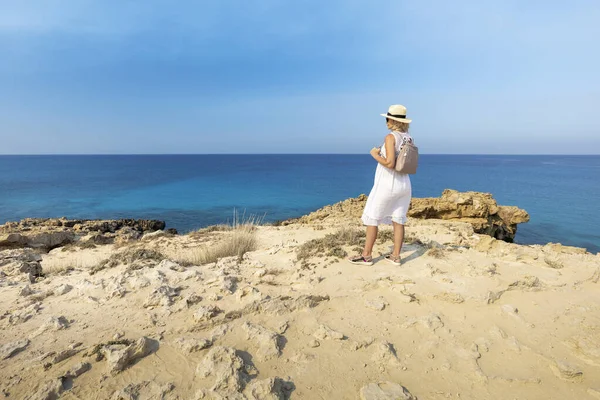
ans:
(361, 260)
(393, 259)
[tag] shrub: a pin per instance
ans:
(130, 256)
(436, 252)
(385, 235)
(331, 244)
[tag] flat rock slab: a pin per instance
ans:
(192, 345)
(385, 391)
(566, 371)
(118, 357)
(10, 349)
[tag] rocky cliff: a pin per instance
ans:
(48, 233)
(478, 209)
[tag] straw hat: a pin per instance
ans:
(397, 112)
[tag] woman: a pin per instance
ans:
(390, 197)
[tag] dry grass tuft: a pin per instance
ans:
(410, 239)
(211, 229)
(385, 236)
(554, 263)
(331, 244)
(238, 239)
(67, 264)
(436, 252)
(138, 256)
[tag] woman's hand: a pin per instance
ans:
(375, 151)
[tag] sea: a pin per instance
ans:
(561, 193)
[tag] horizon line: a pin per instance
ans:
(282, 154)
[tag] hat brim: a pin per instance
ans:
(408, 121)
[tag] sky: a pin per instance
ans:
(224, 76)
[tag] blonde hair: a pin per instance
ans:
(397, 125)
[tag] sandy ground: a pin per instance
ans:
(474, 319)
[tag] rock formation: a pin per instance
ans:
(48, 233)
(478, 209)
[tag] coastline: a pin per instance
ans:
(183, 192)
(138, 315)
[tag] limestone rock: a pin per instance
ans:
(325, 332)
(161, 296)
(10, 349)
(41, 239)
(62, 289)
(267, 340)
(432, 322)
(478, 209)
(376, 304)
(228, 284)
(67, 353)
(528, 283)
(19, 263)
(450, 297)
(49, 233)
(115, 290)
(145, 390)
(191, 345)
(226, 367)
(126, 235)
(267, 389)
(49, 390)
(566, 371)
(205, 313)
(26, 291)
(248, 293)
(493, 296)
(78, 369)
(282, 327)
(385, 352)
(52, 324)
(385, 391)
(192, 299)
(172, 265)
(23, 314)
(587, 348)
(118, 356)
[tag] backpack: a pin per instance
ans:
(407, 158)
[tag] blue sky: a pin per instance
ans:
(81, 76)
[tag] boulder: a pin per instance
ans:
(19, 263)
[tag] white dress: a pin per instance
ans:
(390, 197)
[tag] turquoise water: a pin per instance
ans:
(191, 191)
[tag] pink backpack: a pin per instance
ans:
(407, 158)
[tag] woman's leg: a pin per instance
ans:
(370, 241)
(398, 238)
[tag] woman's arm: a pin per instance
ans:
(390, 159)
